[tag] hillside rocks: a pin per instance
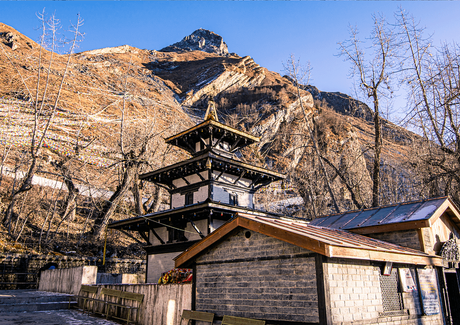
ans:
(200, 40)
(10, 39)
(341, 103)
(173, 86)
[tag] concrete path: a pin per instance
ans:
(52, 317)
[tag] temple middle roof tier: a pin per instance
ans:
(192, 212)
(215, 162)
(216, 131)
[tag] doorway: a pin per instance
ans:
(454, 296)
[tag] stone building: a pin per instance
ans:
(287, 271)
(205, 191)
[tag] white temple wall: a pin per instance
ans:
(192, 179)
(230, 179)
(159, 263)
(201, 195)
(177, 200)
(222, 194)
(162, 232)
(202, 225)
(216, 224)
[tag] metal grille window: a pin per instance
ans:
(391, 294)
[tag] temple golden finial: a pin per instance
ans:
(211, 112)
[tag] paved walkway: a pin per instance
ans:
(14, 305)
(52, 317)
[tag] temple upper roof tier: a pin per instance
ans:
(211, 134)
(215, 162)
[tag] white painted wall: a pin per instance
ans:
(201, 224)
(192, 179)
(162, 232)
(177, 200)
(222, 194)
(216, 224)
(201, 195)
(230, 179)
(67, 280)
(158, 264)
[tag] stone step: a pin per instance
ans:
(29, 307)
(33, 299)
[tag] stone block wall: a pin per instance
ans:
(406, 238)
(256, 276)
(354, 289)
(356, 298)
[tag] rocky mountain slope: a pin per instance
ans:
(138, 95)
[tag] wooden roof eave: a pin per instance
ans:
(217, 157)
(248, 166)
(382, 256)
(447, 207)
(317, 246)
(184, 259)
(183, 210)
(213, 123)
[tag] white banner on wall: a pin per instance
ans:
(407, 281)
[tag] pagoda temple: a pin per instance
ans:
(206, 191)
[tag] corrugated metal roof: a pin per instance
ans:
(417, 212)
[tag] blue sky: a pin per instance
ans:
(268, 31)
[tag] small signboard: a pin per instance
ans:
(429, 292)
(407, 281)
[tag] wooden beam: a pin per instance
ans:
(239, 177)
(218, 176)
(235, 145)
(285, 235)
(211, 136)
(204, 143)
(421, 239)
(130, 236)
(185, 258)
(144, 237)
(196, 228)
(322, 285)
(191, 148)
(220, 139)
(254, 181)
(201, 177)
(395, 257)
(156, 235)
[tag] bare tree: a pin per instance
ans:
(373, 74)
(136, 146)
(432, 76)
(43, 113)
(299, 76)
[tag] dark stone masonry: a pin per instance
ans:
(256, 276)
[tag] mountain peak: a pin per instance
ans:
(200, 40)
